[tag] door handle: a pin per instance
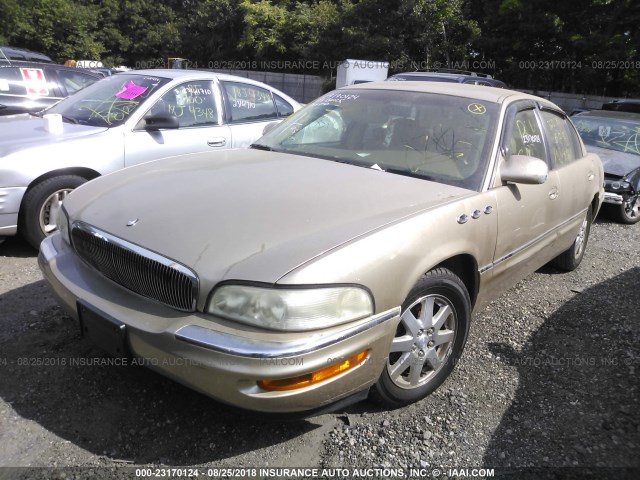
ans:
(553, 194)
(590, 177)
(217, 142)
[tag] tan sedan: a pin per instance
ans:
(345, 251)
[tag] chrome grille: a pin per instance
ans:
(135, 268)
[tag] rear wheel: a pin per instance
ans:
(571, 258)
(42, 204)
(429, 339)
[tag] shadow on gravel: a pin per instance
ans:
(578, 394)
(17, 247)
(57, 379)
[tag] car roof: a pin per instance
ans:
(478, 92)
(174, 74)
(629, 101)
(610, 114)
(13, 53)
(178, 73)
(449, 76)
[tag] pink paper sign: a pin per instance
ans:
(130, 91)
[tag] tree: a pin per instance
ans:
(61, 28)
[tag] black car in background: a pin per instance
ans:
(13, 53)
(615, 137)
(457, 76)
(27, 86)
(624, 105)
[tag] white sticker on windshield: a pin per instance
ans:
(4, 85)
(604, 131)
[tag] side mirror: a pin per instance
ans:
(269, 126)
(161, 121)
(524, 169)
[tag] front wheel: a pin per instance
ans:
(629, 211)
(429, 339)
(42, 204)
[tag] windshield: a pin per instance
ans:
(108, 102)
(437, 137)
(621, 135)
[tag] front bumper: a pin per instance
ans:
(614, 198)
(219, 358)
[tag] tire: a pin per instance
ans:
(629, 211)
(423, 353)
(571, 258)
(40, 206)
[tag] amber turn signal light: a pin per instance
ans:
(314, 377)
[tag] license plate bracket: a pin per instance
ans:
(103, 330)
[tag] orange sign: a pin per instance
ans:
(35, 81)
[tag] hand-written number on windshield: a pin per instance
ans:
(115, 111)
(198, 113)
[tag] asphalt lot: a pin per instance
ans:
(548, 384)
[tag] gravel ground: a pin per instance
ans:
(547, 386)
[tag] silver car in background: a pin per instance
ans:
(123, 120)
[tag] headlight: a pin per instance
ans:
(619, 185)
(62, 222)
(291, 308)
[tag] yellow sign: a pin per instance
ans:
(477, 109)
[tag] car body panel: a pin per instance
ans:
(618, 164)
(283, 197)
(279, 220)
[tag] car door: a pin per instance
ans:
(249, 108)
(197, 106)
(528, 215)
(576, 171)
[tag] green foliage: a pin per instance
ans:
(409, 34)
(588, 46)
(58, 27)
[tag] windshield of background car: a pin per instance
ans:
(441, 138)
(110, 101)
(621, 135)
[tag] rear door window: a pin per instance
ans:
(248, 103)
(561, 142)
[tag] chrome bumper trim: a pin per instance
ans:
(613, 198)
(246, 347)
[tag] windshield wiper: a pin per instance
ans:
(409, 173)
(69, 119)
(36, 114)
(259, 146)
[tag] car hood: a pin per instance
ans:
(616, 163)
(249, 214)
(20, 134)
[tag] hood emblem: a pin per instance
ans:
(131, 223)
